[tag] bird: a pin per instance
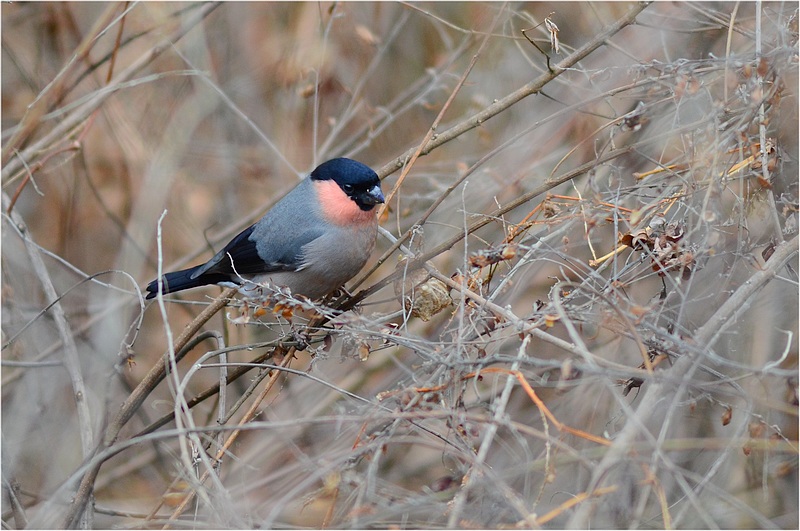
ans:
(312, 241)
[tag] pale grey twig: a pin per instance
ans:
(65, 127)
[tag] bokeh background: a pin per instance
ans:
(679, 130)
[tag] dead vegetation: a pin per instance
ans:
(582, 311)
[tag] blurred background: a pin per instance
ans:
(139, 132)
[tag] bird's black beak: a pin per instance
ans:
(373, 196)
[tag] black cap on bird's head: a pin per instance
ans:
(357, 180)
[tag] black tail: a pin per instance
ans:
(181, 280)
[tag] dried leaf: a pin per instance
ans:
(726, 417)
(363, 351)
(553, 30)
(487, 257)
(763, 67)
(443, 483)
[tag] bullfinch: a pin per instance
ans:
(312, 241)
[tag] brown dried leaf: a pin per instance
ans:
(726, 417)
(763, 67)
(487, 257)
(363, 351)
(639, 240)
(443, 484)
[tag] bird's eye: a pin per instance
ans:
(348, 188)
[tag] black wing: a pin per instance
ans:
(258, 250)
